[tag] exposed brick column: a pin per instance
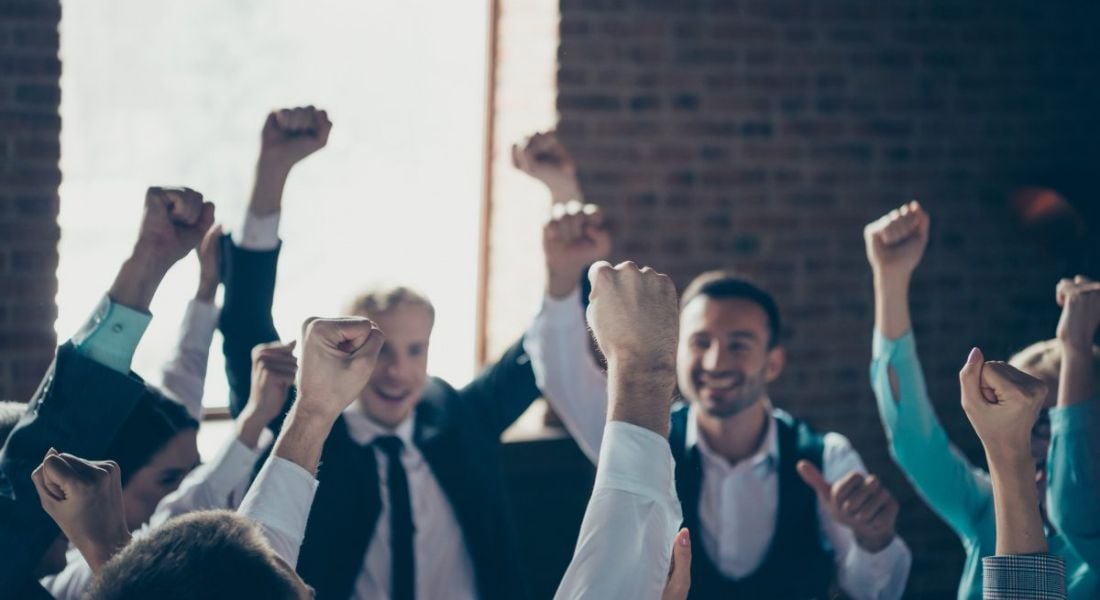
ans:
(30, 128)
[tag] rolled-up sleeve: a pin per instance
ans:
(1074, 477)
(279, 502)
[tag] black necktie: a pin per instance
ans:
(403, 580)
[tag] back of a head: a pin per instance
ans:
(727, 285)
(153, 422)
(203, 555)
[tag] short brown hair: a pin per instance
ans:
(210, 554)
(727, 285)
(383, 298)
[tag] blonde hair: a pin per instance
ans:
(1044, 360)
(384, 298)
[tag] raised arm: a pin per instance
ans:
(88, 392)
(557, 341)
(1074, 471)
(633, 516)
(183, 376)
(949, 484)
(1002, 404)
(251, 254)
(338, 356)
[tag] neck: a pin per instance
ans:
(737, 437)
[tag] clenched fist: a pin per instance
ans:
(572, 239)
(338, 356)
(174, 222)
(84, 498)
(273, 370)
(543, 157)
(896, 242)
(857, 501)
(291, 134)
(633, 315)
(1001, 402)
(1080, 301)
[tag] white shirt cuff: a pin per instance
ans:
(636, 460)
(562, 313)
(258, 233)
(279, 502)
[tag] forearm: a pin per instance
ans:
(303, 437)
(267, 191)
(1075, 382)
(640, 394)
(98, 552)
(137, 281)
(250, 425)
(1016, 503)
(892, 305)
(561, 282)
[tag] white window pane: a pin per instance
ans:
(175, 92)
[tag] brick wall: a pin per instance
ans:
(762, 135)
(29, 175)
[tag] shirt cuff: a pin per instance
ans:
(111, 335)
(636, 460)
(258, 233)
(1024, 576)
(562, 313)
(279, 502)
(881, 567)
(1080, 417)
(884, 347)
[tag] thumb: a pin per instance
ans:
(371, 346)
(679, 572)
(813, 478)
(970, 377)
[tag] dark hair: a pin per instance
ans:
(726, 285)
(10, 413)
(210, 554)
(154, 421)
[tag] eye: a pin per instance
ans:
(416, 350)
(700, 343)
(739, 347)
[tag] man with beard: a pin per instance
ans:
(774, 509)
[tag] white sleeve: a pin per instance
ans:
(258, 233)
(184, 375)
(565, 371)
(625, 542)
(861, 574)
(73, 581)
(211, 485)
(279, 502)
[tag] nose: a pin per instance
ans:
(714, 356)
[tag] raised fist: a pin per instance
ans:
(857, 501)
(175, 221)
(273, 370)
(210, 271)
(543, 157)
(572, 239)
(84, 498)
(338, 356)
(634, 315)
(896, 242)
(1080, 301)
(291, 134)
(1001, 402)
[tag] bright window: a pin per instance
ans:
(175, 92)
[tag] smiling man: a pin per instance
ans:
(411, 501)
(763, 495)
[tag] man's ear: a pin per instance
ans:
(777, 359)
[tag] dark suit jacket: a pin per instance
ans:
(78, 408)
(457, 430)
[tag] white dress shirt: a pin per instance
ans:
(444, 568)
(279, 502)
(215, 484)
(738, 503)
(184, 375)
(625, 543)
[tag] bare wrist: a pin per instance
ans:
(98, 552)
(560, 284)
(875, 544)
